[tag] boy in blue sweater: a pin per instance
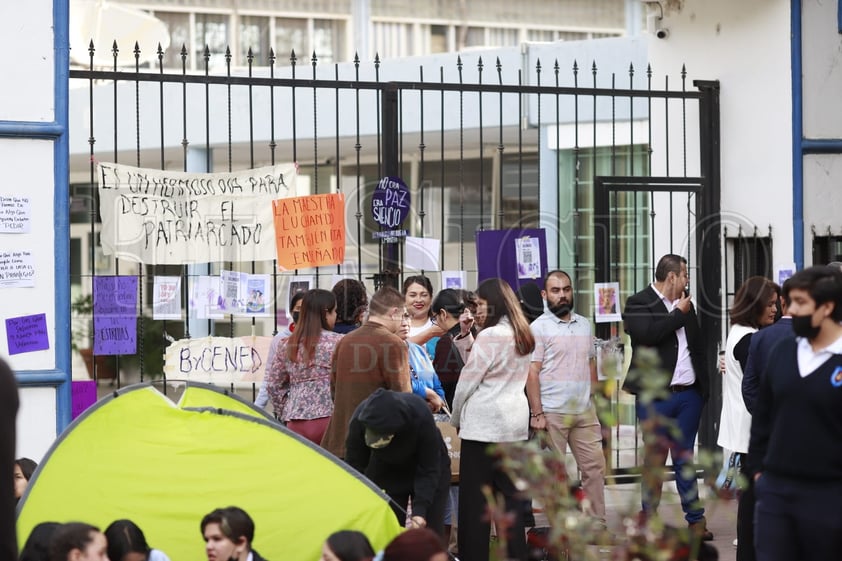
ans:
(797, 428)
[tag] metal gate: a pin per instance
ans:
(527, 148)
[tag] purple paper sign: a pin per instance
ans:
(26, 334)
(115, 315)
(83, 395)
(497, 255)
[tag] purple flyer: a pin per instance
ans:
(83, 395)
(115, 315)
(26, 334)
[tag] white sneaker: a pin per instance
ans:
(735, 542)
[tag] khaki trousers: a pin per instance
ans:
(584, 435)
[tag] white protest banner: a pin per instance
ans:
(171, 218)
(218, 360)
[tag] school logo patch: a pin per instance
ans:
(836, 377)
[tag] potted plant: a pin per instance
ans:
(81, 338)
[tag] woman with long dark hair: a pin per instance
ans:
(454, 317)
(754, 307)
(351, 304)
(490, 407)
(298, 380)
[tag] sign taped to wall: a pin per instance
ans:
(171, 218)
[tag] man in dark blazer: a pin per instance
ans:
(662, 317)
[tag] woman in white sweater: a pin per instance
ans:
(490, 406)
(755, 306)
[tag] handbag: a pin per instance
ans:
(451, 441)
(728, 478)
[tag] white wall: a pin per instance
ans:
(744, 45)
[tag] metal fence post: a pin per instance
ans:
(390, 267)
(708, 240)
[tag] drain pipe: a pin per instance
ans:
(797, 137)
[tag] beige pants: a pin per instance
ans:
(584, 435)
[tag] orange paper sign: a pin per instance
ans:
(310, 231)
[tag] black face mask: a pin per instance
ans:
(803, 327)
(561, 309)
(295, 317)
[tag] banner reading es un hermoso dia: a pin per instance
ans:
(171, 218)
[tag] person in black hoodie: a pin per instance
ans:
(394, 441)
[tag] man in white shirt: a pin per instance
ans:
(561, 377)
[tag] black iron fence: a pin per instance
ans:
(601, 162)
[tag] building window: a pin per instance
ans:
(290, 34)
(827, 249)
(438, 39)
(630, 235)
(211, 32)
(328, 40)
(500, 37)
(255, 35)
(179, 28)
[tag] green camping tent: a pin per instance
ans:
(137, 455)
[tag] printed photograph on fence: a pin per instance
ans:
(528, 252)
(453, 279)
(258, 295)
(206, 298)
(166, 298)
(607, 298)
(783, 272)
(299, 283)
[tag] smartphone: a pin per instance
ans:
(686, 291)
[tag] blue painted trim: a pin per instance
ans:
(821, 146)
(41, 377)
(31, 129)
(61, 206)
(839, 16)
(797, 137)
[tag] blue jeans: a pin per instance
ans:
(681, 413)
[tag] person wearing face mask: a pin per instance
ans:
(797, 427)
(295, 309)
(562, 376)
(228, 533)
(662, 317)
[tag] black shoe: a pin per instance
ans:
(700, 530)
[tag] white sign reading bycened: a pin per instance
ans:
(171, 218)
(218, 360)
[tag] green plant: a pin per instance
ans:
(81, 309)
